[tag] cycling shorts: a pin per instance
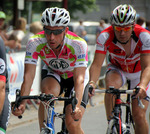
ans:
(5, 115)
(67, 85)
(133, 77)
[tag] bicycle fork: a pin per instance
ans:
(50, 119)
(49, 125)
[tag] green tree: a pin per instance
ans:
(84, 6)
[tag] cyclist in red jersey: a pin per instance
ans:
(128, 45)
(65, 57)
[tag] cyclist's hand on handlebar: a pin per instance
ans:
(77, 114)
(91, 90)
(141, 93)
(20, 110)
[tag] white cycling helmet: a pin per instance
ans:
(55, 17)
(123, 15)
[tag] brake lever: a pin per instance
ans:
(90, 89)
(140, 104)
(17, 102)
(74, 101)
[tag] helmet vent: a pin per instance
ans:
(47, 17)
(57, 22)
(53, 17)
(66, 22)
(61, 14)
(115, 19)
(121, 15)
(129, 18)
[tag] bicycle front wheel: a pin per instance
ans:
(113, 127)
(46, 131)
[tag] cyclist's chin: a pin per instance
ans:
(123, 41)
(52, 45)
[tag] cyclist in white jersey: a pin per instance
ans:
(128, 45)
(65, 57)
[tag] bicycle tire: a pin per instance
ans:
(46, 131)
(62, 132)
(113, 128)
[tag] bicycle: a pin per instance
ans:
(48, 102)
(116, 125)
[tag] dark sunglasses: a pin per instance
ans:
(55, 32)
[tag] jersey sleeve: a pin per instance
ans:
(145, 39)
(81, 52)
(3, 67)
(101, 41)
(31, 52)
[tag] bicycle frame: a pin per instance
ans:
(115, 123)
(48, 102)
(128, 118)
(117, 112)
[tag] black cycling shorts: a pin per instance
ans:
(67, 85)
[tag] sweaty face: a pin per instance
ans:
(123, 33)
(54, 35)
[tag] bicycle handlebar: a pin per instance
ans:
(45, 97)
(112, 90)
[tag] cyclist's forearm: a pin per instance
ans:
(145, 78)
(94, 73)
(79, 92)
(79, 74)
(95, 68)
(145, 70)
(28, 79)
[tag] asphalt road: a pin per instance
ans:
(94, 121)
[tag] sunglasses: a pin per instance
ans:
(55, 32)
(117, 28)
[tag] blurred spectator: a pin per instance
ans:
(35, 28)
(14, 37)
(141, 21)
(84, 36)
(148, 25)
(9, 43)
(20, 28)
(100, 28)
(80, 29)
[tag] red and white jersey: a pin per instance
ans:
(140, 43)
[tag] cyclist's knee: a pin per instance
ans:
(137, 116)
(72, 126)
(113, 78)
